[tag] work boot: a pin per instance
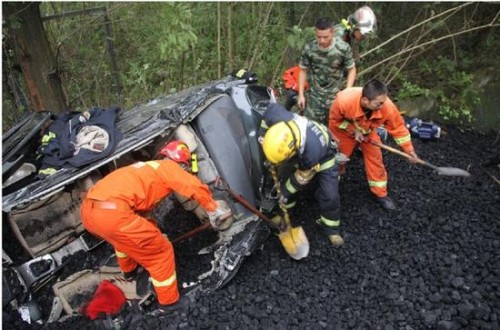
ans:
(386, 203)
(336, 240)
(180, 306)
(131, 276)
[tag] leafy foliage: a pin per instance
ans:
(298, 37)
(410, 90)
(427, 48)
(454, 95)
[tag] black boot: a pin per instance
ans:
(131, 276)
(182, 305)
(386, 203)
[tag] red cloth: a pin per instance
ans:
(291, 78)
(107, 299)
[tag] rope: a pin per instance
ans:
(286, 216)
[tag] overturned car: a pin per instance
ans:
(41, 226)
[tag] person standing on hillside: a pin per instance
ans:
(356, 27)
(322, 64)
(355, 115)
(352, 30)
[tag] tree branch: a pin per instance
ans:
(404, 51)
(263, 28)
(278, 66)
(414, 27)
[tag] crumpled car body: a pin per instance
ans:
(224, 118)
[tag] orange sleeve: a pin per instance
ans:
(336, 115)
(396, 127)
(186, 184)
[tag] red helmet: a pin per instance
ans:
(178, 151)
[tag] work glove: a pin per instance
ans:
(382, 132)
(221, 217)
(283, 200)
(341, 158)
(414, 157)
(358, 136)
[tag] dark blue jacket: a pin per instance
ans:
(59, 150)
(318, 145)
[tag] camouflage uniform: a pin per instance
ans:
(325, 75)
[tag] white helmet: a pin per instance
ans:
(363, 19)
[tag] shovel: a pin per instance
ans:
(189, 234)
(296, 248)
(449, 171)
(293, 239)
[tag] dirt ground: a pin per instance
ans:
(432, 264)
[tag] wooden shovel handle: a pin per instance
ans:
(401, 153)
(192, 233)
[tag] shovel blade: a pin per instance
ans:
(295, 242)
(452, 171)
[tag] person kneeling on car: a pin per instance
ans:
(112, 210)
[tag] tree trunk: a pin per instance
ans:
(258, 36)
(37, 62)
(230, 56)
(218, 40)
(115, 71)
(181, 73)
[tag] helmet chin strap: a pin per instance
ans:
(186, 167)
(293, 136)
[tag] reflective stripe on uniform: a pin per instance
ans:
(168, 282)
(121, 254)
(153, 164)
(47, 137)
(323, 130)
(379, 184)
(361, 129)
(289, 187)
(326, 165)
(290, 205)
(328, 222)
(344, 124)
(403, 139)
(263, 124)
(331, 162)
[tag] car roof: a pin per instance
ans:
(139, 125)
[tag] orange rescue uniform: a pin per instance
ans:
(346, 115)
(111, 211)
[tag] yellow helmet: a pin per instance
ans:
(281, 141)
